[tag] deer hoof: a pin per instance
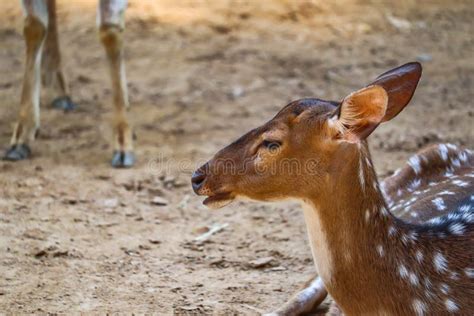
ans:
(123, 159)
(63, 103)
(17, 152)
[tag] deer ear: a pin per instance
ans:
(361, 112)
(400, 84)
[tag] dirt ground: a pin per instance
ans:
(77, 236)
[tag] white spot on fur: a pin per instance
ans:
(446, 193)
(419, 256)
(415, 163)
(402, 271)
(463, 156)
(468, 217)
(454, 216)
(451, 146)
(449, 172)
(414, 185)
(428, 288)
(456, 163)
(428, 284)
(380, 250)
(367, 160)
(367, 215)
(391, 231)
(413, 279)
(440, 263)
(439, 204)
(436, 221)
(451, 306)
(443, 151)
(469, 272)
(361, 173)
(461, 183)
(444, 288)
(457, 228)
(419, 307)
(454, 276)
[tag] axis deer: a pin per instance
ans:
(368, 260)
(42, 51)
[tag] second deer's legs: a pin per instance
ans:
(111, 26)
(52, 73)
(28, 121)
(306, 300)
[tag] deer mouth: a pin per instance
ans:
(218, 200)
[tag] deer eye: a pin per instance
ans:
(271, 145)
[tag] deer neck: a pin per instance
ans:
(348, 224)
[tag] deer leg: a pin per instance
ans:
(306, 300)
(52, 74)
(111, 26)
(27, 124)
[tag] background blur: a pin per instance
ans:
(79, 236)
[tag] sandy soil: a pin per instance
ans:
(79, 236)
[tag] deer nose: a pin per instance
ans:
(198, 177)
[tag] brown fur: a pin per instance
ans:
(433, 171)
(369, 260)
(28, 117)
(52, 74)
(111, 37)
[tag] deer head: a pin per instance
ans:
(305, 139)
